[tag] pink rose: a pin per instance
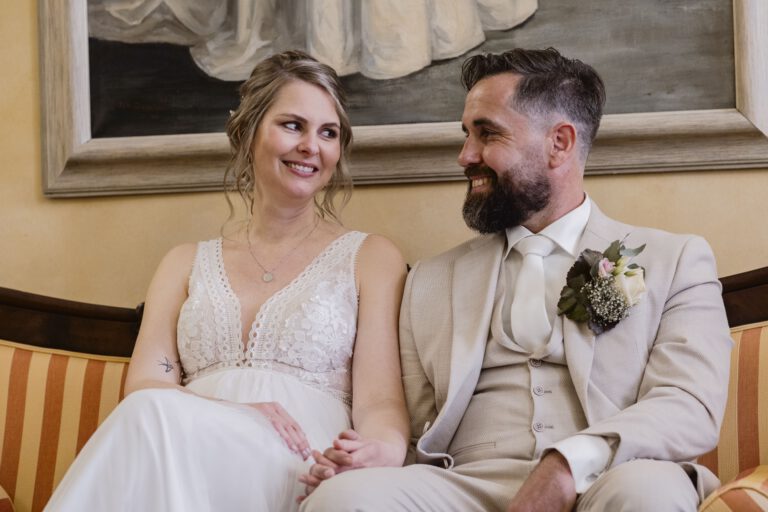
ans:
(605, 267)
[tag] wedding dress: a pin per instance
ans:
(166, 450)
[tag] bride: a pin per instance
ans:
(251, 346)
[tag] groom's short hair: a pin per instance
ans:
(550, 83)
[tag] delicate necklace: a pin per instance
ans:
(269, 275)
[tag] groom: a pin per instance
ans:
(561, 360)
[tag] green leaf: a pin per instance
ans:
(565, 304)
(579, 268)
(613, 252)
(591, 258)
(577, 282)
(579, 314)
(630, 253)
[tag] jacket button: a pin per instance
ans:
(534, 362)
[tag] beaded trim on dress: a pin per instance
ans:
(306, 329)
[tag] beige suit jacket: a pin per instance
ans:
(656, 383)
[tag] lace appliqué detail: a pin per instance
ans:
(306, 329)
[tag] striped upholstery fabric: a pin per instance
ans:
(5, 501)
(748, 493)
(51, 401)
(744, 435)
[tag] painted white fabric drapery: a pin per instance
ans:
(379, 38)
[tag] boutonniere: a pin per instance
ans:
(601, 287)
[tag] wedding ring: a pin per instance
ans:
(306, 453)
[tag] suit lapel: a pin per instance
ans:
(579, 343)
(578, 340)
(474, 286)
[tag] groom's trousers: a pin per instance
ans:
(639, 485)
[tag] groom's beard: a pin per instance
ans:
(508, 204)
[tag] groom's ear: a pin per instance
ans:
(563, 144)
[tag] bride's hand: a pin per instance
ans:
(352, 451)
(349, 451)
(332, 461)
(322, 469)
(285, 426)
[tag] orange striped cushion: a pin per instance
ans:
(51, 401)
(748, 493)
(744, 434)
(5, 501)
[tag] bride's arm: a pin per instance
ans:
(379, 415)
(155, 360)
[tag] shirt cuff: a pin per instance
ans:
(587, 456)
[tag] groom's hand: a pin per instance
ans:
(549, 487)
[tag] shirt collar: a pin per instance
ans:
(565, 231)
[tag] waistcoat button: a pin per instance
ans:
(538, 426)
(538, 391)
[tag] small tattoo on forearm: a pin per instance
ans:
(166, 364)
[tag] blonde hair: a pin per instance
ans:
(257, 94)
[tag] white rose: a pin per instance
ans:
(632, 287)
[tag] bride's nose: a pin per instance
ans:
(308, 145)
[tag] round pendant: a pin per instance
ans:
(267, 277)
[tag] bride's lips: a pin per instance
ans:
(301, 168)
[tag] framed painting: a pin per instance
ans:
(75, 163)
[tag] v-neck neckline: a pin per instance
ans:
(251, 336)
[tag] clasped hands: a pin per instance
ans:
(349, 451)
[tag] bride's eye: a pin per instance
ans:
(329, 133)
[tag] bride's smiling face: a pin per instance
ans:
(296, 147)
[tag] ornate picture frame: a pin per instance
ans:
(74, 164)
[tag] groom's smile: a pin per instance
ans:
(482, 179)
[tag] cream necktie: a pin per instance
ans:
(530, 322)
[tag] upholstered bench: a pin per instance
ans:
(741, 457)
(743, 445)
(53, 402)
(55, 388)
(52, 399)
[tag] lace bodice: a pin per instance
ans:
(306, 329)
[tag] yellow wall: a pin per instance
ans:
(104, 250)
